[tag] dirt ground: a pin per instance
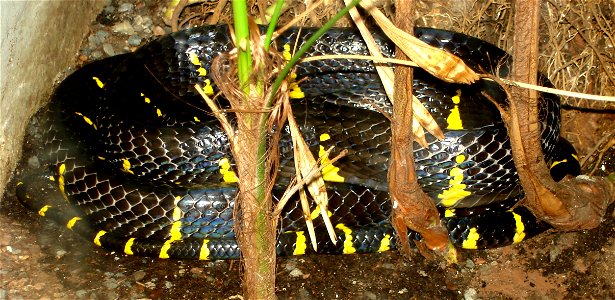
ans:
(39, 260)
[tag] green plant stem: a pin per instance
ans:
(262, 220)
(304, 48)
(273, 24)
(242, 36)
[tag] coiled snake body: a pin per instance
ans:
(137, 165)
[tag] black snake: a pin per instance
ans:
(138, 165)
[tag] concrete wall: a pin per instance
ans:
(38, 40)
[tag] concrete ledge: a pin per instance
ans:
(39, 39)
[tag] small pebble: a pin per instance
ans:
(94, 41)
(469, 264)
(3, 294)
(388, 266)
(370, 295)
(85, 53)
(134, 40)
(168, 284)
(124, 28)
(60, 253)
(137, 23)
(295, 273)
(470, 294)
(101, 36)
(111, 283)
(109, 9)
(126, 7)
(304, 294)
(140, 23)
(147, 22)
(33, 162)
(290, 266)
(81, 294)
(159, 31)
(96, 55)
(108, 49)
(554, 253)
(138, 275)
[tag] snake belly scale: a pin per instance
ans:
(137, 165)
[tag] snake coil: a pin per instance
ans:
(137, 164)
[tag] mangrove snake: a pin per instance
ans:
(134, 166)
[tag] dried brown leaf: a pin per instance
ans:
(439, 63)
(305, 163)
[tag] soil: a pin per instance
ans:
(39, 260)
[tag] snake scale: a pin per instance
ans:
(135, 163)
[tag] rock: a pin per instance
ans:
(147, 22)
(140, 23)
(470, 294)
(102, 34)
(96, 39)
(126, 7)
(85, 53)
(108, 49)
(110, 283)
(134, 40)
(81, 294)
(109, 9)
(33, 162)
(303, 294)
(469, 264)
(371, 296)
(295, 273)
(388, 266)
(138, 275)
(159, 31)
(60, 253)
(137, 23)
(124, 28)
